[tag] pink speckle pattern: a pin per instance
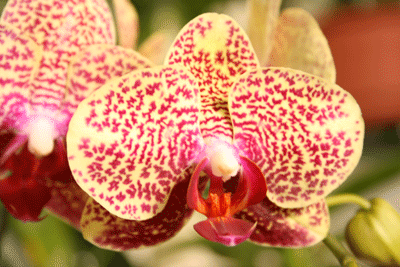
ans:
(131, 142)
(294, 228)
(108, 231)
(131, 139)
(60, 29)
(19, 57)
(304, 133)
(216, 50)
(94, 66)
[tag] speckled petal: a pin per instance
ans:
(94, 66)
(111, 232)
(216, 50)
(129, 141)
(19, 62)
(61, 29)
(127, 23)
(304, 133)
(263, 17)
(292, 228)
(300, 44)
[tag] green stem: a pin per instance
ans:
(348, 198)
(345, 258)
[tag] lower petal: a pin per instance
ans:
(225, 230)
(67, 201)
(108, 231)
(292, 228)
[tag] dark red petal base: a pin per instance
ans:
(67, 200)
(278, 227)
(24, 198)
(24, 187)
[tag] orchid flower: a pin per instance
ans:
(272, 142)
(292, 39)
(53, 54)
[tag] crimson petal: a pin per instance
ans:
(67, 200)
(225, 230)
(194, 198)
(21, 193)
(24, 199)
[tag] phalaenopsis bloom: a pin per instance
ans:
(53, 53)
(271, 142)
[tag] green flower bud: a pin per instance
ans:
(374, 234)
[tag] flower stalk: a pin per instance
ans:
(348, 198)
(345, 258)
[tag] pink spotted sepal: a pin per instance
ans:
(225, 200)
(290, 228)
(216, 50)
(108, 231)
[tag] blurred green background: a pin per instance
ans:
(53, 243)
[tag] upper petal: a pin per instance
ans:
(19, 62)
(129, 141)
(155, 46)
(127, 23)
(94, 66)
(111, 232)
(300, 44)
(305, 134)
(61, 29)
(293, 228)
(262, 22)
(216, 50)
(46, 21)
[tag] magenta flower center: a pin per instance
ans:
(235, 183)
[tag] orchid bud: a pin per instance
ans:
(374, 234)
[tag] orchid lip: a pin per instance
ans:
(221, 205)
